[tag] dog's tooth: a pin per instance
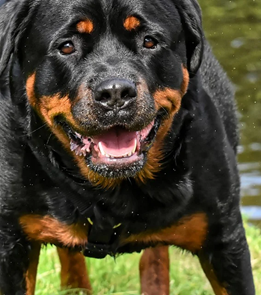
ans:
(83, 152)
(107, 156)
(78, 135)
(101, 149)
(73, 146)
(130, 154)
(135, 146)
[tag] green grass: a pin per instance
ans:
(120, 276)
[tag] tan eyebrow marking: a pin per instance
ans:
(131, 23)
(85, 26)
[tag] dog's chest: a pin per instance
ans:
(188, 233)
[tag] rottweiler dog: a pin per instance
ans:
(118, 133)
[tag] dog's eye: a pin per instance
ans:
(150, 42)
(67, 48)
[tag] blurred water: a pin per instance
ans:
(234, 31)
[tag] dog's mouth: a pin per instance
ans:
(116, 147)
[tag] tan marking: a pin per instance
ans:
(185, 82)
(154, 271)
(189, 233)
(85, 26)
(73, 270)
(170, 100)
(32, 268)
(30, 90)
(45, 229)
(52, 106)
(210, 274)
(131, 23)
(49, 106)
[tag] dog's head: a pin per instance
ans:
(107, 77)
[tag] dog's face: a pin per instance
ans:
(108, 77)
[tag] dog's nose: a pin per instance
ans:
(115, 93)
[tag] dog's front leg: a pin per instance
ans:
(32, 268)
(14, 258)
(154, 271)
(227, 265)
(73, 270)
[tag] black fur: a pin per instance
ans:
(39, 176)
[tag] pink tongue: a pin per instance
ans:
(117, 142)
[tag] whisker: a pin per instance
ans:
(39, 128)
(161, 107)
(49, 138)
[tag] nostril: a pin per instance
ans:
(125, 94)
(128, 93)
(104, 96)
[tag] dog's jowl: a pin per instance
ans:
(118, 134)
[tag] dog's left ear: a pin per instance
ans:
(13, 17)
(190, 14)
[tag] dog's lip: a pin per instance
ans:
(115, 146)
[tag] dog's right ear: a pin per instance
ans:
(190, 14)
(13, 16)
